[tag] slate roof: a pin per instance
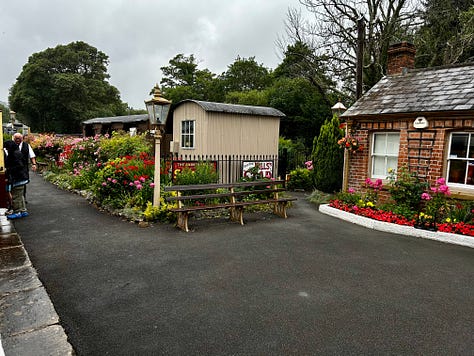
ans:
(449, 88)
(113, 119)
(236, 109)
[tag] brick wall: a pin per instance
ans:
(400, 55)
(437, 133)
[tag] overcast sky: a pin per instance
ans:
(140, 36)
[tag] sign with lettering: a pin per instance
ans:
(178, 166)
(265, 168)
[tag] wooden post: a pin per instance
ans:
(360, 56)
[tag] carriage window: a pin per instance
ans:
(187, 134)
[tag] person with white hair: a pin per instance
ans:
(20, 169)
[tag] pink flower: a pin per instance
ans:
(444, 189)
(142, 179)
(441, 181)
(114, 181)
(425, 196)
(104, 184)
(351, 190)
(139, 186)
(152, 185)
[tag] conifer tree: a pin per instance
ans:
(328, 158)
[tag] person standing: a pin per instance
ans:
(18, 159)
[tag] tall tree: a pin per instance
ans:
(246, 74)
(183, 80)
(328, 158)
(447, 33)
(305, 108)
(300, 61)
(62, 86)
(333, 34)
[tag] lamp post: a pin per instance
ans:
(158, 109)
(337, 109)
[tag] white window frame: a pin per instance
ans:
(469, 161)
(387, 156)
(188, 134)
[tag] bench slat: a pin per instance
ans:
(231, 205)
(223, 195)
(180, 188)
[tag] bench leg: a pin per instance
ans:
(182, 222)
(280, 209)
(236, 214)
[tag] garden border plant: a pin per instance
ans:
(413, 203)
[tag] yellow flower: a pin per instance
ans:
(370, 204)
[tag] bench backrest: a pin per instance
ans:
(180, 188)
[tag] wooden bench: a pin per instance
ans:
(232, 196)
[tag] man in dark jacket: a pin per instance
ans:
(18, 155)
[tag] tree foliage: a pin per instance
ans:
(246, 74)
(62, 86)
(183, 80)
(447, 33)
(305, 108)
(332, 36)
(328, 158)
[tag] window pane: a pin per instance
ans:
(392, 162)
(471, 147)
(379, 166)
(457, 171)
(459, 145)
(393, 142)
(470, 174)
(379, 143)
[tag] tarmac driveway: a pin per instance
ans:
(310, 284)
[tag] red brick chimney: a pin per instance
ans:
(400, 55)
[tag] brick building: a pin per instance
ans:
(419, 118)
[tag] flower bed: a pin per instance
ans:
(389, 217)
(393, 227)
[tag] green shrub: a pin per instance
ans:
(203, 173)
(328, 158)
(405, 189)
(350, 197)
(122, 144)
(301, 178)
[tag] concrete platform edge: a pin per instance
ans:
(38, 322)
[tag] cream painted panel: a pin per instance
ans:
(218, 133)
